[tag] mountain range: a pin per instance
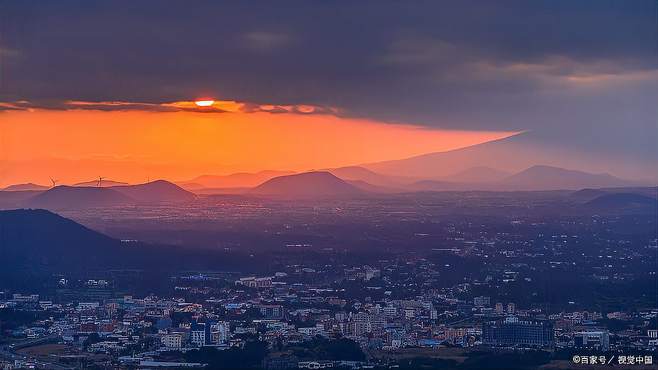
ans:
(477, 175)
(81, 197)
(542, 177)
(235, 180)
(343, 181)
(513, 154)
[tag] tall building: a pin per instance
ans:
(511, 308)
(363, 323)
(390, 311)
(198, 334)
(481, 301)
(360, 324)
(220, 332)
(514, 333)
(173, 341)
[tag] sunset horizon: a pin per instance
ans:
(175, 141)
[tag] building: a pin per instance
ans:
(198, 335)
(481, 301)
(254, 282)
(315, 364)
(514, 333)
(511, 308)
(271, 311)
(172, 341)
(363, 323)
(599, 339)
(220, 332)
(390, 311)
(360, 324)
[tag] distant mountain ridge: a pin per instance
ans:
(80, 197)
(234, 180)
(357, 173)
(25, 187)
(542, 177)
(511, 154)
(478, 174)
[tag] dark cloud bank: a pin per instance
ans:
(574, 73)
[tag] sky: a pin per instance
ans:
(316, 84)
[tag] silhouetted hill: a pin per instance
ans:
(309, 184)
(155, 192)
(104, 183)
(39, 237)
(478, 174)
(555, 178)
(25, 187)
(235, 180)
(618, 201)
(73, 197)
(35, 243)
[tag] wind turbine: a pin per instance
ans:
(100, 181)
(54, 182)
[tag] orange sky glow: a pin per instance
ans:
(136, 145)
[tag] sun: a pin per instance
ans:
(204, 103)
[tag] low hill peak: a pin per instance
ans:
(307, 184)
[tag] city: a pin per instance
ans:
(472, 289)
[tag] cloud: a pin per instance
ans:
(217, 106)
(559, 68)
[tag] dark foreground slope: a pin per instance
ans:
(39, 242)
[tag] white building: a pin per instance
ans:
(173, 341)
(220, 332)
